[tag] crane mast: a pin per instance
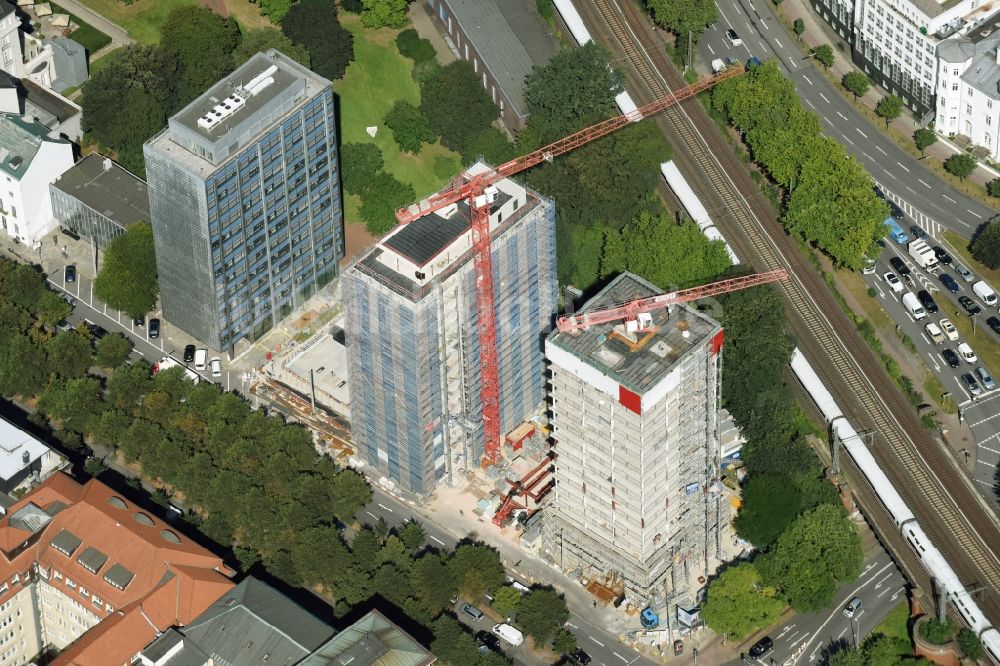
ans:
(472, 188)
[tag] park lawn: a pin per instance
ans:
(896, 623)
(248, 15)
(104, 61)
(86, 35)
(143, 18)
(377, 79)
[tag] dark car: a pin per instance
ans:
(917, 231)
(949, 283)
(97, 331)
(64, 325)
(941, 255)
(189, 354)
(994, 323)
(488, 639)
(969, 305)
(927, 301)
(899, 266)
(69, 299)
(139, 322)
(154, 328)
(580, 657)
(951, 358)
(761, 647)
(70, 273)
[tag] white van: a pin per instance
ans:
(935, 333)
(200, 359)
(718, 65)
(913, 306)
(508, 633)
(985, 293)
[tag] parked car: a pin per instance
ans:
(964, 273)
(917, 231)
(994, 323)
(580, 657)
(969, 305)
(761, 647)
(971, 385)
(216, 366)
(949, 329)
(985, 378)
(472, 611)
(485, 638)
(97, 331)
(200, 359)
(64, 326)
(189, 353)
(70, 273)
(154, 328)
(927, 301)
(68, 298)
(965, 351)
(899, 266)
(941, 255)
(951, 358)
(733, 38)
(895, 211)
(893, 282)
(852, 607)
(949, 283)
(935, 333)
(139, 322)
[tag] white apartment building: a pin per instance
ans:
(29, 161)
(635, 417)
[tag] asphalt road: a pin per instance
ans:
(922, 195)
(881, 588)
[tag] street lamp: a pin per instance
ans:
(857, 634)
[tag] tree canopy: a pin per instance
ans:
(359, 163)
(738, 602)
(411, 45)
(274, 9)
(314, 25)
(455, 123)
(380, 200)
(986, 244)
(961, 165)
(924, 138)
(384, 13)
(127, 278)
(409, 127)
(262, 39)
(889, 108)
(541, 614)
(202, 43)
(824, 55)
(855, 82)
(683, 16)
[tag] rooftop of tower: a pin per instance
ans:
(637, 361)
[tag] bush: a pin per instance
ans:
(352, 6)
(380, 200)
(969, 643)
(413, 46)
(993, 187)
(409, 127)
(937, 632)
(456, 122)
(961, 165)
(359, 163)
(986, 246)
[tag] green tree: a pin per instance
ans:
(798, 27)
(541, 613)
(986, 244)
(738, 602)
(455, 123)
(23, 367)
(70, 354)
(564, 642)
(936, 632)
(683, 16)
(770, 504)
(889, 108)
(319, 555)
(74, 402)
(819, 551)
(924, 138)
(51, 308)
(113, 350)
(409, 127)
(381, 199)
(824, 55)
(274, 9)
(490, 144)
(359, 163)
(202, 43)
(413, 535)
(506, 600)
(667, 254)
(855, 82)
(411, 45)
(352, 6)
(432, 582)
(348, 493)
(993, 187)
(314, 25)
(574, 89)
(384, 13)
(476, 568)
(970, 644)
(127, 278)
(961, 165)
(262, 39)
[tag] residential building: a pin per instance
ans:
(251, 624)
(371, 641)
(69, 64)
(24, 459)
(42, 105)
(413, 342)
(97, 199)
(10, 40)
(29, 161)
(503, 40)
(635, 418)
(245, 198)
(89, 577)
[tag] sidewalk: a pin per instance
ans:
(114, 31)
(818, 32)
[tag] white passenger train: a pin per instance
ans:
(693, 206)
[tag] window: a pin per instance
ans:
(989, 104)
(987, 139)
(970, 92)
(989, 120)
(968, 108)
(954, 87)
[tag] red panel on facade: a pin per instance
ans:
(717, 341)
(630, 401)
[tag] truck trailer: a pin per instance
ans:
(923, 254)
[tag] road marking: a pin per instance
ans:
(841, 115)
(841, 634)
(867, 156)
(949, 198)
(620, 657)
(903, 167)
(710, 49)
(810, 104)
(808, 80)
(571, 625)
(923, 183)
(751, 6)
(372, 515)
(837, 611)
(596, 641)
(848, 140)
(384, 507)
(861, 133)
(879, 584)
(824, 98)
(879, 149)
(937, 368)
(436, 539)
(980, 422)
(971, 211)
(910, 190)
(884, 592)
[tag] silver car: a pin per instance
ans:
(985, 379)
(971, 385)
(965, 273)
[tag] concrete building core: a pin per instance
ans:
(635, 419)
(413, 340)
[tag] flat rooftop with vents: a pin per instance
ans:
(109, 189)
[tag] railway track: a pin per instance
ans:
(928, 479)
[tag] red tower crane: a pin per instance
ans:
(472, 188)
(632, 311)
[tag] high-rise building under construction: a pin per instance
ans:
(413, 340)
(635, 418)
